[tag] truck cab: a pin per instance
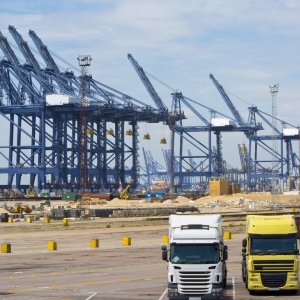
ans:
(270, 254)
(196, 258)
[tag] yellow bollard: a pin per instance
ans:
(126, 241)
(65, 222)
(6, 248)
(165, 239)
(10, 220)
(227, 235)
(52, 245)
(28, 220)
(94, 243)
(46, 220)
(293, 209)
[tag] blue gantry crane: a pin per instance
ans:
(43, 136)
(206, 154)
(258, 170)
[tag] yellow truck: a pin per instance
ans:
(270, 254)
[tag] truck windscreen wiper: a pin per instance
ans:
(260, 253)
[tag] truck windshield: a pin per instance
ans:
(273, 244)
(194, 254)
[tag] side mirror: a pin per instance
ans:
(244, 243)
(163, 247)
(164, 255)
(244, 250)
(225, 255)
(225, 248)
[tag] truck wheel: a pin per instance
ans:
(251, 292)
(224, 283)
(293, 292)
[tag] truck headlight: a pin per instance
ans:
(172, 290)
(253, 279)
(218, 290)
(294, 279)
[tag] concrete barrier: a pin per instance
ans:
(6, 248)
(52, 245)
(94, 243)
(227, 235)
(126, 241)
(165, 239)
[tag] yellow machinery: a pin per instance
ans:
(129, 132)
(109, 131)
(89, 131)
(123, 194)
(270, 254)
(244, 148)
(147, 136)
(163, 141)
(20, 208)
(31, 192)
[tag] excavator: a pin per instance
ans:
(31, 192)
(20, 208)
(123, 194)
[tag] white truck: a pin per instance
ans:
(197, 258)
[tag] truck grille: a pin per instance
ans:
(194, 282)
(273, 279)
(273, 265)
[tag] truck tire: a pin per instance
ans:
(243, 273)
(251, 292)
(293, 292)
(224, 283)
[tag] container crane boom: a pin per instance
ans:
(43, 50)
(157, 100)
(228, 102)
(8, 52)
(23, 46)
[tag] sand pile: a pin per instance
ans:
(3, 211)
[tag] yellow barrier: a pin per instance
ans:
(65, 222)
(227, 235)
(46, 220)
(94, 243)
(165, 239)
(126, 241)
(6, 248)
(28, 220)
(10, 220)
(52, 245)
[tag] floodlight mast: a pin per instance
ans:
(84, 62)
(274, 91)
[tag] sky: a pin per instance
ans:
(246, 45)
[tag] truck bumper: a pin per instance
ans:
(255, 283)
(216, 294)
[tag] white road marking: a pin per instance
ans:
(233, 289)
(90, 297)
(162, 294)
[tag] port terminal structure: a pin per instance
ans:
(41, 105)
(255, 166)
(43, 112)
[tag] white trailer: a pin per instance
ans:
(197, 258)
